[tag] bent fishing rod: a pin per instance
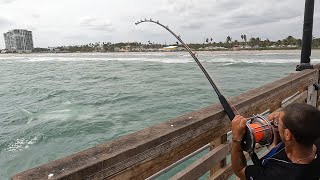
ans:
(226, 106)
(258, 129)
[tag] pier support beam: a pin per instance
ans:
(307, 36)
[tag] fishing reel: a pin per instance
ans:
(258, 130)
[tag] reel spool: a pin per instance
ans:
(258, 130)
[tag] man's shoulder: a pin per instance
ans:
(273, 170)
(315, 165)
(317, 143)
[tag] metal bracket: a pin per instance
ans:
(316, 87)
(304, 66)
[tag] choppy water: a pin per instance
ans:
(52, 105)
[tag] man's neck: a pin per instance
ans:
(300, 154)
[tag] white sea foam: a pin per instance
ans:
(153, 57)
(276, 61)
(21, 144)
(162, 60)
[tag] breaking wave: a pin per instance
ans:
(155, 59)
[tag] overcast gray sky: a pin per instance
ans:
(67, 22)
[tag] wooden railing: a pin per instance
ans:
(141, 154)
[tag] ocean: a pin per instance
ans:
(52, 105)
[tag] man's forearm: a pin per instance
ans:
(238, 160)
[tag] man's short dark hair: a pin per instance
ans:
(303, 121)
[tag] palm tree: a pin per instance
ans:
(229, 39)
(291, 40)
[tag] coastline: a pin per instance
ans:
(280, 51)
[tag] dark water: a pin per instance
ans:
(53, 105)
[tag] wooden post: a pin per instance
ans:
(312, 98)
(317, 66)
(312, 95)
(213, 145)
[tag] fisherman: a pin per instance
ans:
(296, 157)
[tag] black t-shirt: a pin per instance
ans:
(279, 166)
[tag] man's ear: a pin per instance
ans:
(288, 135)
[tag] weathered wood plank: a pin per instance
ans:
(205, 163)
(300, 98)
(316, 66)
(273, 93)
(226, 172)
(145, 152)
(163, 160)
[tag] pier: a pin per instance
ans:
(154, 150)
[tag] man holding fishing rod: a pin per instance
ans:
(297, 156)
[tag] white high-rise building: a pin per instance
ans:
(19, 40)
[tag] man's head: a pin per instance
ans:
(300, 122)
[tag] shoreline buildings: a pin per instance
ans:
(19, 40)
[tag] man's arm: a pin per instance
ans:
(238, 159)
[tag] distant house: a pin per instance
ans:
(116, 49)
(256, 47)
(170, 48)
(53, 49)
(272, 46)
(246, 47)
(127, 48)
(292, 46)
(99, 48)
(235, 48)
(181, 49)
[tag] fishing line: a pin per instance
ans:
(226, 106)
(258, 129)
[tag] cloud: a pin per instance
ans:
(247, 19)
(98, 24)
(192, 25)
(253, 14)
(4, 22)
(192, 19)
(35, 15)
(6, 1)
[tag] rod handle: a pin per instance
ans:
(226, 106)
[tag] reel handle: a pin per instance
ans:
(248, 140)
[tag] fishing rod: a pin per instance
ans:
(258, 128)
(226, 106)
